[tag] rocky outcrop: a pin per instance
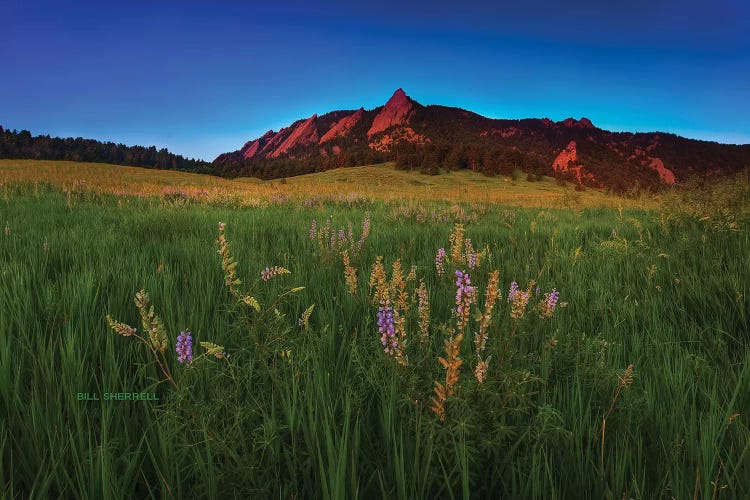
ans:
(250, 149)
(573, 123)
(665, 174)
(567, 161)
(343, 126)
(304, 133)
(567, 156)
(395, 112)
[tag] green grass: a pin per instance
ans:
(323, 412)
(371, 182)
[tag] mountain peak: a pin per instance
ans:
(395, 112)
(573, 123)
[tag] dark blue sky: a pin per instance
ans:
(202, 79)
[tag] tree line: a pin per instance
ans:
(23, 145)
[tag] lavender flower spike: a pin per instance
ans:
(513, 291)
(184, 347)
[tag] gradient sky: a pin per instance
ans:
(203, 78)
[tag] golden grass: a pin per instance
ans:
(368, 182)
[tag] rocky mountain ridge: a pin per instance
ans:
(438, 138)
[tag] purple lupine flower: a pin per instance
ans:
(552, 300)
(342, 236)
(387, 329)
(537, 291)
(513, 291)
(184, 347)
(465, 296)
(313, 229)
(464, 288)
(472, 260)
(439, 261)
(266, 274)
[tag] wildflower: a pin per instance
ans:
(457, 240)
(379, 281)
(387, 329)
(350, 273)
(121, 328)
(424, 310)
(184, 347)
(398, 287)
(7, 229)
(412, 276)
(465, 296)
(452, 364)
(304, 320)
(228, 263)
(439, 261)
(519, 304)
(365, 230)
(513, 291)
(151, 322)
(471, 256)
(270, 272)
(480, 372)
(313, 229)
(491, 295)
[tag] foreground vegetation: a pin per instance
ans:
(634, 384)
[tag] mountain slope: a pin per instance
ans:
(434, 138)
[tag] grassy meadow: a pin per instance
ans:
(334, 354)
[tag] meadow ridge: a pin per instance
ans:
(373, 182)
(367, 333)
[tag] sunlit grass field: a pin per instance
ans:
(633, 384)
(373, 182)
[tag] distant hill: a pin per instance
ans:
(439, 138)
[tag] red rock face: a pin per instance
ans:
(395, 112)
(273, 142)
(566, 156)
(567, 161)
(252, 150)
(343, 126)
(305, 133)
(664, 173)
